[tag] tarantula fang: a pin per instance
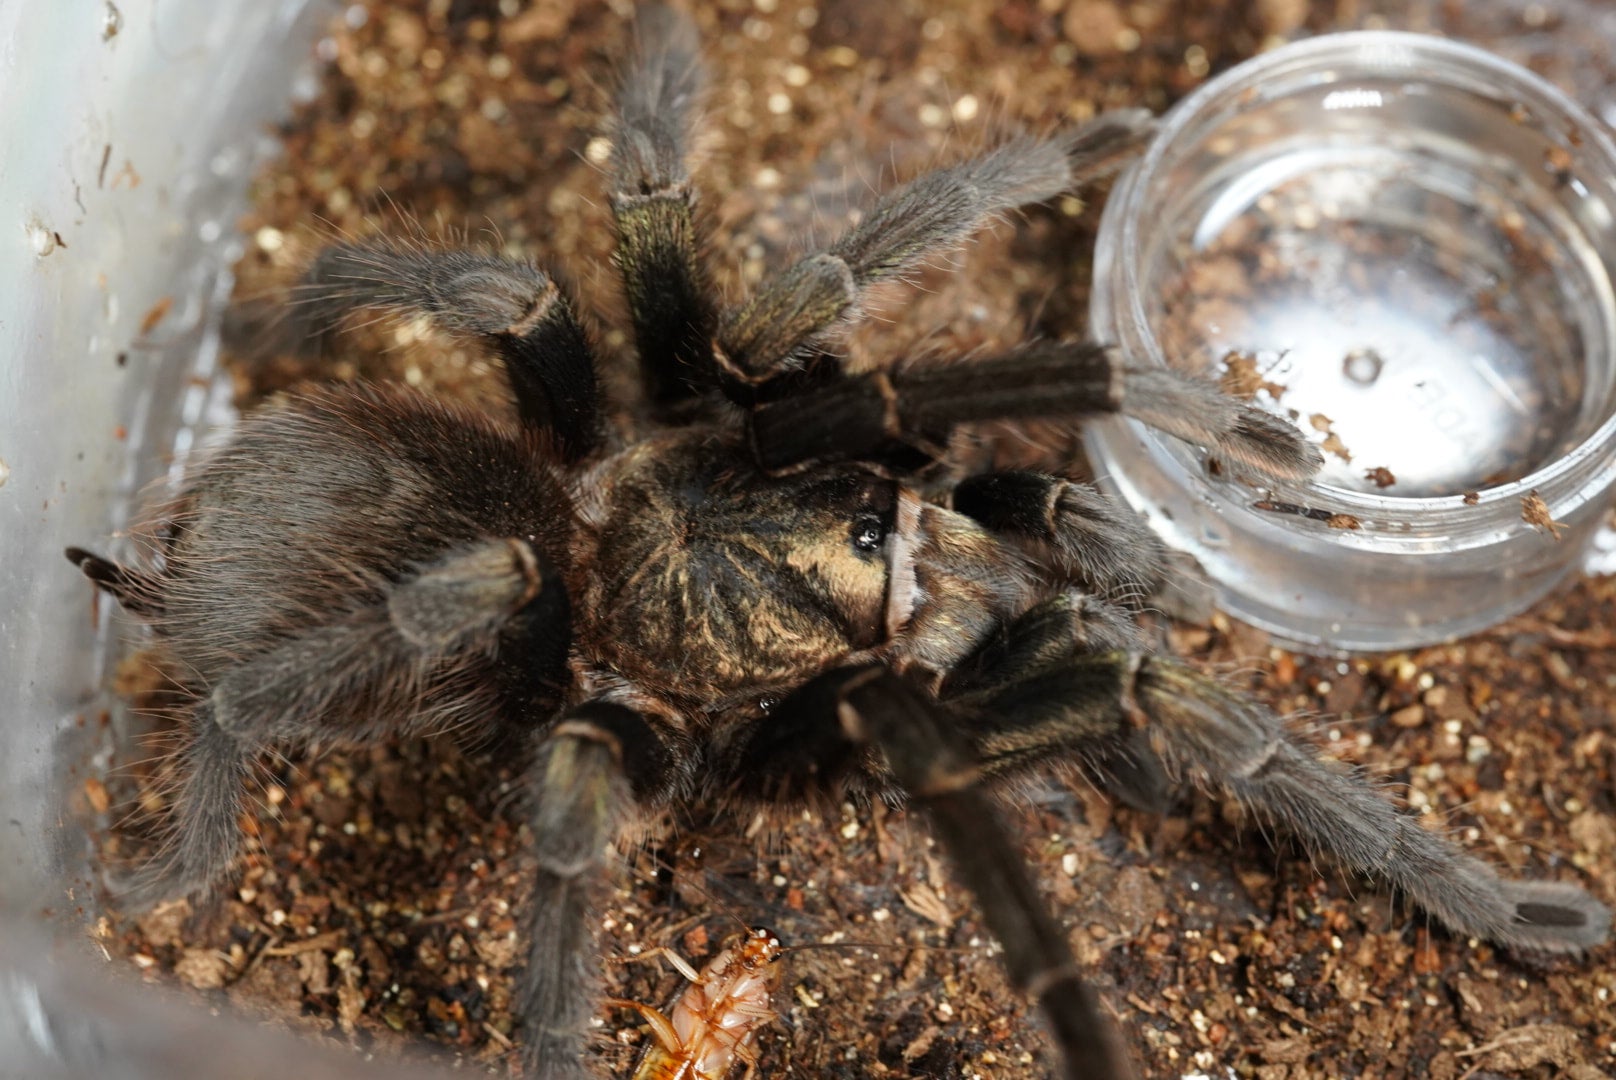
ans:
(759, 590)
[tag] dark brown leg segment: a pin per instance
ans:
(893, 417)
(910, 224)
(587, 771)
(1032, 707)
(1080, 535)
(931, 761)
(653, 201)
(509, 305)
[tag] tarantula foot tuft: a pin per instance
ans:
(1108, 142)
(1270, 445)
(1197, 411)
(1555, 917)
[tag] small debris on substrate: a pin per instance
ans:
(379, 901)
(1535, 512)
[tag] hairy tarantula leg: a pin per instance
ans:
(889, 416)
(1212, 734)
(508, 304)
(873, 706)
(1010, 730)
(382, 655)
(1032, 706)
(658, 249)
(455, 606)
(204, 836)
(1197, 411)
(587, 770)
(1076, 531)
(908, 225)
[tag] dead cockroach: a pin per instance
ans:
(710, 1026)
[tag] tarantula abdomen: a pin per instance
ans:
(358, 563)
(322, 505)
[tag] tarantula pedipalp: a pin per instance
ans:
(762, 594)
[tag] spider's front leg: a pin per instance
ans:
(1080, 534)
(1040, 694)
(893, 416)
(817, 734)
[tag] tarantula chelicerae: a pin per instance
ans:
(766, 592)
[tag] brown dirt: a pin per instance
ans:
(377, 904)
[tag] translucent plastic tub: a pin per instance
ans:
(1380, 227)
(130, 130)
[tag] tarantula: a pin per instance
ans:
(768, 590)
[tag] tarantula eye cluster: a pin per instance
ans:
(748, 593)
(868, 533)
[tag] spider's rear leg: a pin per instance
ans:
(908, 225)
(509, 305)
(589, 768)
(888, 417)
(1034, 707)
(653, 202)
(423, 657)
(850, 711)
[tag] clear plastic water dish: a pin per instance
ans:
(1405, 245)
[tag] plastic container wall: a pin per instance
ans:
(130, 129)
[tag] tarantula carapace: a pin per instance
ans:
(766, 590)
